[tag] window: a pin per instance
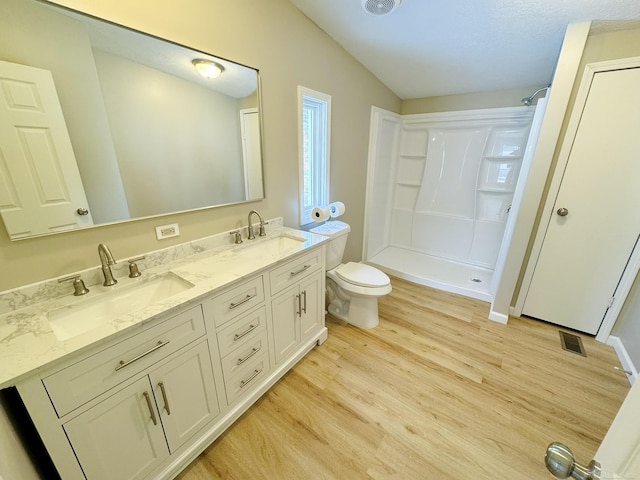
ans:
(314, 110)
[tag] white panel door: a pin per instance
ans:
(40, 185)
(186, 394)
(286, 326)
(120, 438)
(311, 314)
(620, 449)
(585, 251)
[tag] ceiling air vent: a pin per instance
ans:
(380, 7)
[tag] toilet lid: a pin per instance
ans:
(363, 275)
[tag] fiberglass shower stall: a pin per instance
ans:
(440, 190)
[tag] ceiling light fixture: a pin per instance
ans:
(207, 68)
(380, 7)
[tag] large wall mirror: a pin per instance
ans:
(102, 124)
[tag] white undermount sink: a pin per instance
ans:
(93, 312)
(271, 247)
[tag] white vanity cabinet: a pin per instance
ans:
(240, 316)
(297, 306)
(143, 405)
(122, 410)
(132, 431)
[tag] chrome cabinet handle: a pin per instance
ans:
(151, 410)
(244, 300)
(563, 212)
(135, 359)
(244, 383)
(304, 308)
(298, 272)
(299, 311)
(164, 398)
(251, 328)
(248, 356)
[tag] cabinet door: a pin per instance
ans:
(186, 394)
(286, 327)
(311, 291)
(120, 438)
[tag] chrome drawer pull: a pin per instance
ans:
(244, 300)
(251, 328)
(244, 383)
(129, 362)
(251, 354)
(151, 410)
(164, 398)
(306, 267)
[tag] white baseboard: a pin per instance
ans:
(624, 358)
(498, 317)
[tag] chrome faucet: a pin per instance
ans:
(251, 235)
(106, 258)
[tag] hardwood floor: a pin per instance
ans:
(436, 391)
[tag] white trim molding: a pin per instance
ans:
(628, 367)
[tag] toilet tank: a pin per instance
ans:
(338, 232)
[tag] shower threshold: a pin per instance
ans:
(463, 279)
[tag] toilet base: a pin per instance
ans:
(360, 312)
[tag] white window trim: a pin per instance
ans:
(323, 197)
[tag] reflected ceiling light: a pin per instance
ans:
(207, 68)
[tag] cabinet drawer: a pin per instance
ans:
(249, 375)
(236, 301)
(82, 381)
(292, 271)
(233, 362)
(242, 331)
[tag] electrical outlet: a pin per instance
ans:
(167, 231)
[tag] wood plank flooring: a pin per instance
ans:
(436, 391)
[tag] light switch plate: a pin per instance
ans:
(167, 231)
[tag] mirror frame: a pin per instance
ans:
(196, 53)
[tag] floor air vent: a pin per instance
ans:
(572, 343)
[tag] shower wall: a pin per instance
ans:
(441, 185)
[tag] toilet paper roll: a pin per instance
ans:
(320, 214)
(336, 209)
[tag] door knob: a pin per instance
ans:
(563, 212)
(82, 211)
(562, 464)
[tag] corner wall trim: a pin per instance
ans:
(623, 356)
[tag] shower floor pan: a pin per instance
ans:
(436, 272)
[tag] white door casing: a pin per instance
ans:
(251, 153)
(40, 185)
(584, 253)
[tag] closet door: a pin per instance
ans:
(595, 220)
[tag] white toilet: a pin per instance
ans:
(352, 288)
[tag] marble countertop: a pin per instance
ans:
(28, 342)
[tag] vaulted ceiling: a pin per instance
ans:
(427, 48)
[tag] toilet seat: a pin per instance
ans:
(362, 275)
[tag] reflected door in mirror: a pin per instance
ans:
(40, 186)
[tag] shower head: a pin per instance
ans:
(529, 100)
